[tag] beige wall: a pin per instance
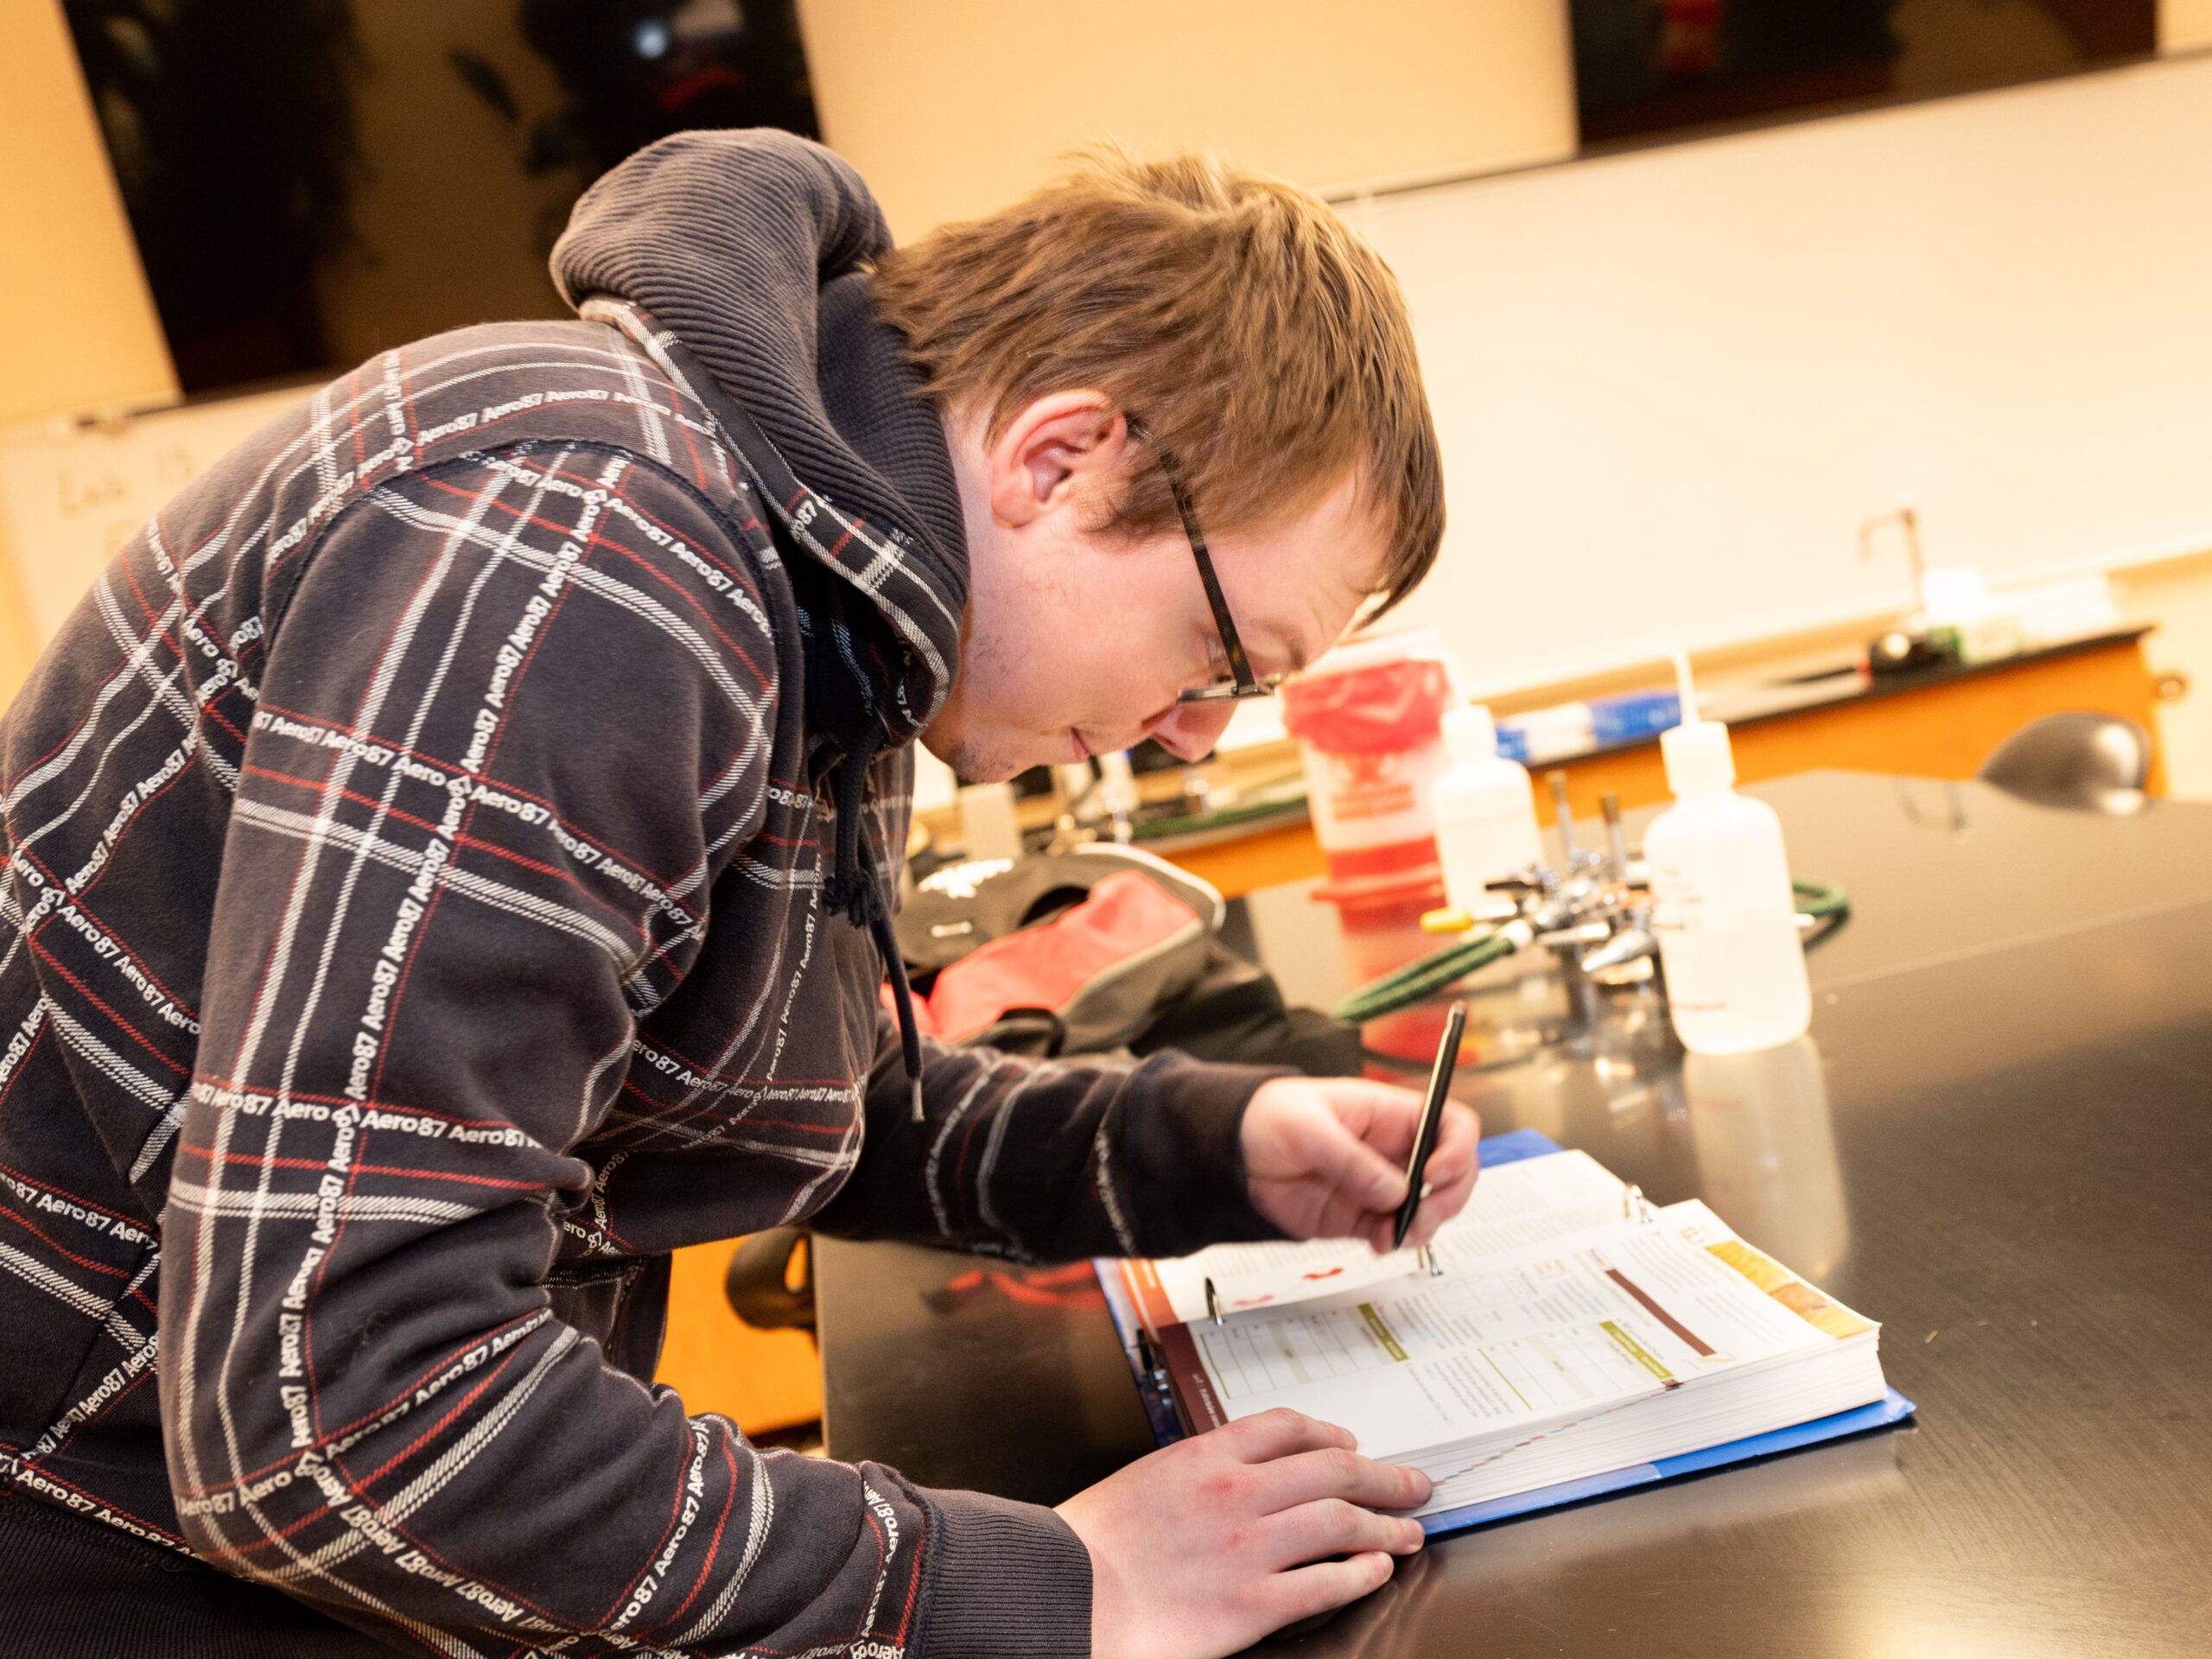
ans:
(77, 325)
(2184, 25)
(953, 107)
(2178, 594)
(19, 642)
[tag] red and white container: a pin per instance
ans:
(1368, 718)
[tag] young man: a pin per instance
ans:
(448, 859)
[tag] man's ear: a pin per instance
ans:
(1060, 450)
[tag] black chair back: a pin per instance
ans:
(2089, 761)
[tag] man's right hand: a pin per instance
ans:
(1206, 1545)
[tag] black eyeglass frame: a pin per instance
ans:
(1242, 684)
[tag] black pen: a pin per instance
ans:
(1432, 1113)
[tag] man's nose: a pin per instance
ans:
(1189, 730)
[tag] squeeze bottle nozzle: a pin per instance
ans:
(1696, 752)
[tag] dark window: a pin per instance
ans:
(312, 180)
(1644, 67)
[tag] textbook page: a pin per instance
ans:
(1537, 1339)
(1514, 1205)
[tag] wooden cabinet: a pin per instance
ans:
(760, 1380)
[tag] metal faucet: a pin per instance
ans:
(1592, 910)
(1906, 517)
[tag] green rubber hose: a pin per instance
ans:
(1821, 899)
(1421, 979)
(1427, 975)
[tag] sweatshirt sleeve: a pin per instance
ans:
(512, 706)
(1053, 1159)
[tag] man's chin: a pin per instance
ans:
(980, 761)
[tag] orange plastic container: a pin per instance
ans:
(1368, 721)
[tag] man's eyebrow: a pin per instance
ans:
(1277, 646)
(1290, 645)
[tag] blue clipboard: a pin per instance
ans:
(1497, 1150)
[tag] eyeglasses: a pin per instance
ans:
(1242, 683)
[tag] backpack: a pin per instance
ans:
(1101, 949)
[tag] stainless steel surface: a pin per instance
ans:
(1997, 1138)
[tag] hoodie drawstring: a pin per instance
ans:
(853, 891)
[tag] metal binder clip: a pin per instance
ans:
(1148, 1356)
(1635, 1207)
(1213, 1302)
(1425, 1259)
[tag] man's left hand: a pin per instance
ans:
(1326, 1158)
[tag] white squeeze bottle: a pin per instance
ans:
(1722, 906)
(1485, 811)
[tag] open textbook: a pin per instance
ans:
(1572, 1338)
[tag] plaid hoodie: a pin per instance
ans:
(415, 928)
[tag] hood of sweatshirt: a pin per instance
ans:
(747, 253)
(747, 250)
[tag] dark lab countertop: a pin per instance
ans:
(1997, 1139)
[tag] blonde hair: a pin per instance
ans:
(1257, 339)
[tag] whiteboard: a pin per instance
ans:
(1670, 383)
(71, 494)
